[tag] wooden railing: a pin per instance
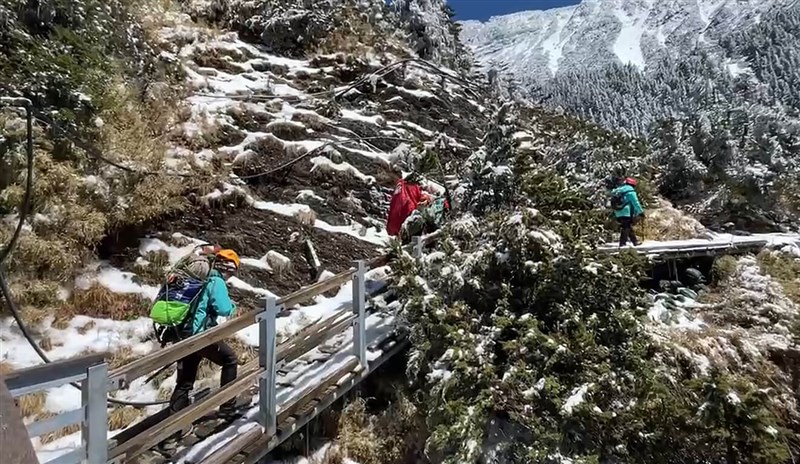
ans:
(131, 442)
(263, 369)
(90, 371)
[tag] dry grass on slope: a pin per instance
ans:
(387, 437)
(783, 268)
(664, 222)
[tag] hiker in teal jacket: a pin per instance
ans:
(629, 211)
(214, 301)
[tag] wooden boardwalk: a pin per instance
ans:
(306, 386)
(724, 244)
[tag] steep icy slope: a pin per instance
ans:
(595, 33)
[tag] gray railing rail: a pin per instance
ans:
(92, 373)
(268, 387)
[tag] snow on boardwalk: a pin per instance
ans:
(717, 244)
(295, 377)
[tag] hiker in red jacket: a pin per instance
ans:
(408, 194)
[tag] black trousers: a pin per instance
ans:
(220, 354)
(626, 231)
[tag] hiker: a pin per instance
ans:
(426, 218)
(407, 196)
(213, 301)
(627, 209)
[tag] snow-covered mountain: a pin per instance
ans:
(595, 33)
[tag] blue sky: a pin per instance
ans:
(483, 9)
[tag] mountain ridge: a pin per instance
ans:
(595, 33)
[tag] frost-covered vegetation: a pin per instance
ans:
(736, 85)
(529, 347)
(91, 67)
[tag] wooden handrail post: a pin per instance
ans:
(267, 388)
(359, 308)
(94, 429)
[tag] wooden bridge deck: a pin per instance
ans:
(717, 245)
(306, 386)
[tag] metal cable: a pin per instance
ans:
(25, 333)
(23, 214)
(26, 202)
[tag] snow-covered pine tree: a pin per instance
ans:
(432, 31)
(744, 159)
(490, 181)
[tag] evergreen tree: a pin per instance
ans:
(432, 32)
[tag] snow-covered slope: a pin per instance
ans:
(594, 33)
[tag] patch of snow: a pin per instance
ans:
(323, 163)
(422, 94)
(376, 120)
(115, 280)
(628, 46)
(738, 68)
(256, 263)
(308, 195)
(277, 260)
(575, 399)
(236, 282)
(554, 45)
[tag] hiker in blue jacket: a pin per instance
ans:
(627, 209)
(214, 301)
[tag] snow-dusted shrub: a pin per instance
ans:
(529, 347)
(90, 67)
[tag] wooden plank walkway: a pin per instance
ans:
(307, 384)
(716, 246)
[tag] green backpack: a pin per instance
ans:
(173, 309)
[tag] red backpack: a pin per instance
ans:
(404, 201)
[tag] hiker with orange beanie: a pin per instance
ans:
(213, 301)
